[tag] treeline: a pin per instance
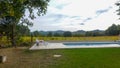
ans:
(22, 30)
(112, 30)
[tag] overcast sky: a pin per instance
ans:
(73, 15)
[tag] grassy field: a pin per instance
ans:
(97, 38)
(71, 58)
(28, 39)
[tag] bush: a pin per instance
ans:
(5, 46)
(25, 44)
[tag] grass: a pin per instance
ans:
(97, 38)
(4, 40)
(71, 58)
(90, 58)
(21, 57)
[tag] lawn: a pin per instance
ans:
(71, 58)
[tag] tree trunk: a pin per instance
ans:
(31, 38)
(13, 40)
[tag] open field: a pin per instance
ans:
(97, 38)
(71, 58)
(26, 41)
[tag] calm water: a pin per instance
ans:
(91, 43)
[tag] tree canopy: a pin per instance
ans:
(113, 30)
(118, 4)
(12, 13)
(67, 34)
(15, 9)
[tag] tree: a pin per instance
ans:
(5, 30)
(12, 12)
(118, 29)
(67, 34)
(23, 30)
(57, 35)
(89, 33)
(118, 4)
(50, 34)
(112, 30)
(36, 33)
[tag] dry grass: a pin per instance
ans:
(97, 38)
(23, 58)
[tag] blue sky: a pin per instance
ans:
(73, 15)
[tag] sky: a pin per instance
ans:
(73, 15)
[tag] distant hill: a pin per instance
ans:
(110, 31)
(82, 32)
(79, 32)
(97, 30)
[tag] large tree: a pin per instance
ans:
(12, 13)
(113, 30)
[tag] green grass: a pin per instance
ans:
(71, 58)
(90, 58)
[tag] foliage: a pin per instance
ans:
(12, 12)
(57, 35)
(67, 34)
(23, 30)
(16, 8)
(94, 33)
(113, 30)
(118, 4)
(50, 34)
(36, 33)
(25, 44)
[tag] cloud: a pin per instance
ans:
(75, 17)
(98, 12)
(87, 19)
(61, 6)
(59, 17)
(82, 24)
(79, 14)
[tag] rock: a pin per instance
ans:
(56, 55)
(3, 59)
(1, 46)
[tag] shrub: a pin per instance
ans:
(25, 44)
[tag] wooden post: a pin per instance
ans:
(31, 38)
(3, 59)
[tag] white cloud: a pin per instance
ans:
(69, 14)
